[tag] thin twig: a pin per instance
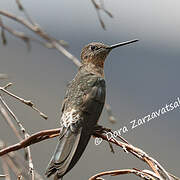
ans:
(31, 166)
(9, 121)
(27, 102)
(46, 134)
(3, 36)
(143, 156)
(21, 8)
(22, 164)
(35, 138)
(37, 30)
(13, 167)
(99, 7)
(26, 38)
(51, 42)
(141, 174)
(104, 9)
(5, 169)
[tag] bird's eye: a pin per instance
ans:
(93, 48)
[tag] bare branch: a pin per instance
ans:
(27, 102)
(7, 85)
(35, 138)
(46, 134)
(104, 9)
(11, 164)
(20, 163)
(174, 177)
(5, 169)
(31, 166)
(21, 8)
(51, 42)
(37, 30)
(4, 41)
(98, 8)
(25, 38)
(138, 173)
(137, 152)
(7, 118)
(9, 121)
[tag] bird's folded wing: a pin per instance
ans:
(94, 96)
(63, 153)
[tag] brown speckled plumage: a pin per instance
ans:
(81, 109)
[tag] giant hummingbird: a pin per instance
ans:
(81, 108)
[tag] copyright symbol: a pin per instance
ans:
(97, 141)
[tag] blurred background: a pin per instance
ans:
(141, 78)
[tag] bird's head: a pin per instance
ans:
(96, 53)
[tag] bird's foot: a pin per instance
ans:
(101, 129)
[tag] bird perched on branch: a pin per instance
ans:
(81, 108)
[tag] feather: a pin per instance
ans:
(81, 109)
(63, 154)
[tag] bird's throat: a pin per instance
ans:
(94, 68)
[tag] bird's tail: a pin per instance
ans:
(63, 154)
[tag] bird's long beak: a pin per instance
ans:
(122, 44)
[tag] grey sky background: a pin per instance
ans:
(141, 78)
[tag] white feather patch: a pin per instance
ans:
(69, 118)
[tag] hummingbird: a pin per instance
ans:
(81, 108)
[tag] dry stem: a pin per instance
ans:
(27, 102)
(46, 134)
